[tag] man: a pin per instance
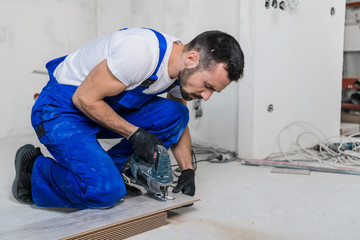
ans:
(108, 89)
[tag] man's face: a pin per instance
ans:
(200, 84)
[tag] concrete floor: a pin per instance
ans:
(237, 202)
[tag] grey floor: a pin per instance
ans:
(237, 202)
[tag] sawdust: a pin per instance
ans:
(233, 232)
(228, 231)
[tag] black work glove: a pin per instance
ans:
(144, 144)
(186, 183)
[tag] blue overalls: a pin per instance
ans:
(82, 174)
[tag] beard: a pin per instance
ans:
(184, 94)
(184, 76)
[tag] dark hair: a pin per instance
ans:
(218, 47)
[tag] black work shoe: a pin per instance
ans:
(24, 162)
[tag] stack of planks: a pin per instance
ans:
(128, 218)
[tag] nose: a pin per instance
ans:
(206, 94)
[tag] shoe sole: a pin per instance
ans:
(18, 169)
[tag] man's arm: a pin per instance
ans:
(182, 153)
(182, 149)
(89, 98)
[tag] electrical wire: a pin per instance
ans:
(214, 155)
(345, 151)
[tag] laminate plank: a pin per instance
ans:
(82, 221)
(123, 230)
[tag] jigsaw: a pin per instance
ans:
(155, 178)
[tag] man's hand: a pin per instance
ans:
(186, 183)
(144, 144)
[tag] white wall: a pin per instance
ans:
(32, 32)
(294, 61)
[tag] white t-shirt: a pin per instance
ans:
(132, 56)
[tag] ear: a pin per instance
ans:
(192, 59)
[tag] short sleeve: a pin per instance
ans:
(131, 60)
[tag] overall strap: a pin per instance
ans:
(52, 65)
(162, 47)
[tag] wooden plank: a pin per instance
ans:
(123, 230)
(274, 163)
(353, 4)
(91, 220)
(350, 83)
(349, 106)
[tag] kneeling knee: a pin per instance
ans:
(106, 195)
